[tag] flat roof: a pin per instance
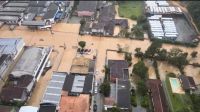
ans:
(123, 94)
(54, 88)
(87, 6)
(74, 103)
(118, 69)
(78, 83)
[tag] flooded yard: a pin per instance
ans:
(164, 68)
(66, 36)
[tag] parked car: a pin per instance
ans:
(95, 84)
(95, 89)
(95, 107)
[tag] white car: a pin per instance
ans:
(95, 84)
(95, 89)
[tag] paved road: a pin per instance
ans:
(98, 100)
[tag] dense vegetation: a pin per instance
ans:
(194, 9)
(175, 56)
(141, 71)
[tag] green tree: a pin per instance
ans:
(128, 58)
(194, 54)
(137, 30)
(82, 44)
(141, 88)
(82, 22)
(141, 19)
(162, 55)
(133, 17)
(195, 102)
(140, 69)
(123, 32)
(107, 73)
(177, 58)
(145, 101)
(138, 52)
(153, 49)
(105, 88)
(133, 101)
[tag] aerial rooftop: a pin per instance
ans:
(54, 88)
(82, 65)
(78, 83)
(30, 62)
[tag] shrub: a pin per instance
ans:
(194, 54)
(145, 102)
(140, 69)
(105, 88)
(133, 101)
(133, 17)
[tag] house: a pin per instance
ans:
(187, 82)
(7, 96)
(157, 94)
(118, 70)
(119, 96)
(78, 84)
(98, 28)
(24, 75)
(22, 88)
(86, 8)
(50, 15)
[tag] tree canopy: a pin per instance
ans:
(153, 48)
(105, 88)
(82, 44)
(140, 69)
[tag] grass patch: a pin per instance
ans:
(179, 101)
(129, 9)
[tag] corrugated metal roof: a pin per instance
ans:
(78, 84)
(54, 88)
